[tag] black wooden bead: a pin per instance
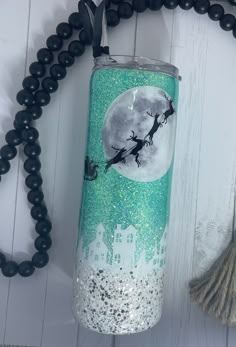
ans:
(32, 150)
(2, 260)
(125, 10)
(155, 5)
(45, 56)
(32, 165)
(10, 269)
(33, 181)
(113, 18)
(202, 6)
(186, 4)
(40, 260)
(36, 111)
(64, 30)
(76, 48)
(4, 166)
(234, 31)
(42, 244)
(26, 269)
(31, 83)
(25, 97)
(42, 97)
(38, 212)
(139, 5)
(23, 119)
(35, 197)
(8, 152)
(37, 69)
(227, 22)
(58, 72)
(216, 12)
(75, 21)
(171, 4)
(13, 137)
(66, 59)
(84, 37)
(30, 135)
(54, 43)
(107, 3)
(232, 2)
(50, 85)
(43, 227)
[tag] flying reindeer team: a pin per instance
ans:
(123, 153)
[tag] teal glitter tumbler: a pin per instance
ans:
(118, 282)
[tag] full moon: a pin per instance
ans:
(138, 141)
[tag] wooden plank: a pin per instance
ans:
(87, 338)
(13, 41)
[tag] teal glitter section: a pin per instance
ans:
(113, 199)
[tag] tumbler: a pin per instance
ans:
(118, 280)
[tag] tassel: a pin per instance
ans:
(215, 291)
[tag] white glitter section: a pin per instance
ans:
(118, 302)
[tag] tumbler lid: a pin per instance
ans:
(135, 62)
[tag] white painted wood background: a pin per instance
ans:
(37, 311)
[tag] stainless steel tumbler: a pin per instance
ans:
(118, 282)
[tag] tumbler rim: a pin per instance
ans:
(137, 62)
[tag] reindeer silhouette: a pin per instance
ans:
(155, 127)
(137, 148)
(170, 111)
(119, 157)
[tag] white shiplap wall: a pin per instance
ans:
(37, 311)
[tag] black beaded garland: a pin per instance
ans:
(66, 59)
(54, 43)
(75, 21)
(125, 10)
(45, 56)
(26, 269)
(186, 4)
(64, 30)
(201, 6)
(50, 85)
(113, 18)
(33, 102)
(40, 260)
(58, 72)
(227, 22)
(216, 12)
(76, 48)
(31, 83)
(8, 152)
(34, 181)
